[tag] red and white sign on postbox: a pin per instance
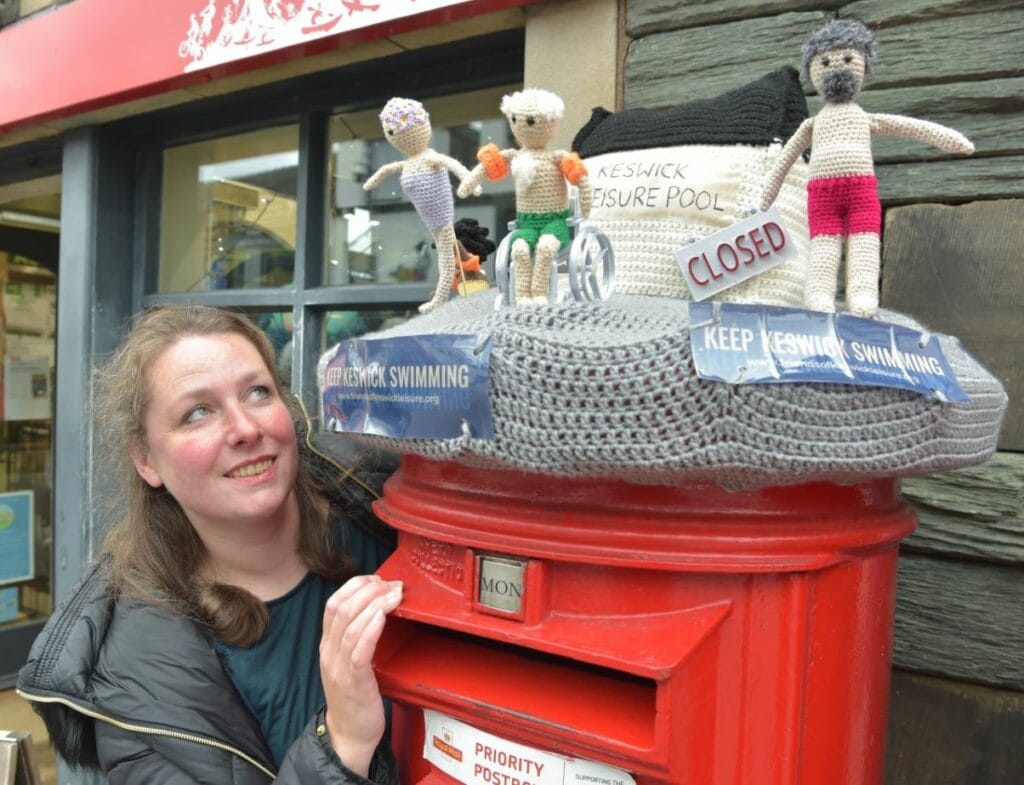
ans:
(736, 253)
(473, 757)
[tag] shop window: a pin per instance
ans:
(228, 212)
(229, 226)
(277, 325)
(341, 325)
(336, 326)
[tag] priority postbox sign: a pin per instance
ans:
(734, 254)
(474, 757)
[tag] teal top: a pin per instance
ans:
(279, 677)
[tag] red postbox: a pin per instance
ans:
(683, 634)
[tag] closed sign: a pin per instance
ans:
(732, 255)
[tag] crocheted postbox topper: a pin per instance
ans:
(611, 390)
(424, 178)
(842, 194)
(542, 177)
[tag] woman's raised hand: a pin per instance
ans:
(353, 622)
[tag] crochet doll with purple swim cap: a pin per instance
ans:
(842, 194)
(424, 178)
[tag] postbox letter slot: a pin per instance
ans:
(548, 691)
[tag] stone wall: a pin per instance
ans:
(952, 258)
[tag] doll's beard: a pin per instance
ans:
(840, 87)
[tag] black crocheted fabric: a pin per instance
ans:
(758, 113)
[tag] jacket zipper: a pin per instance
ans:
(146, 729)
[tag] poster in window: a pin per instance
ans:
(17, 559)
(26, 388)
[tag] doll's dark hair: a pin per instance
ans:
(473, 237)
(840, 34)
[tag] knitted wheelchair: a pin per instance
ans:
(586, 265)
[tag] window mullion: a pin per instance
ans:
(309, 248)
(146, 251)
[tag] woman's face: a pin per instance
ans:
(218, 435)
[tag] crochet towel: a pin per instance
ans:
(663, 178)
(610, 390)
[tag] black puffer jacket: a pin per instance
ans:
(138, 692)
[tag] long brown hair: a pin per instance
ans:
(156, 554)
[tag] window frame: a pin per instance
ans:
(483, 62)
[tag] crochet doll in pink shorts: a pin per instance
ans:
(842, 194)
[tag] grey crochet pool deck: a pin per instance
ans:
(610, 390)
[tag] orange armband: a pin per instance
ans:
(573, 168)
(494, 164)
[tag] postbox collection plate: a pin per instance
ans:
(501, 583)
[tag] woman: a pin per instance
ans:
(193, 650)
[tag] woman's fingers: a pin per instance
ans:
(352, 585)
(348, 601)
(366, 644)
(353, 623)
(349, 611)
(355, 631)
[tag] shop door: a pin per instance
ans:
(29, 241)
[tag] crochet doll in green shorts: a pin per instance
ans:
(542, 178)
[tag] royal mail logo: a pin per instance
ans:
(446, 744)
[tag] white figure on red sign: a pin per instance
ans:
(842, 194)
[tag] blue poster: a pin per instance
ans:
(763, 344)
(9, 604)
(410, 387)
(17, 555)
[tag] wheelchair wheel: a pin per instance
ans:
(503, 274)
(591, 265)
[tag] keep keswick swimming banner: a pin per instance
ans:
(761, 344)
(416, 387)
